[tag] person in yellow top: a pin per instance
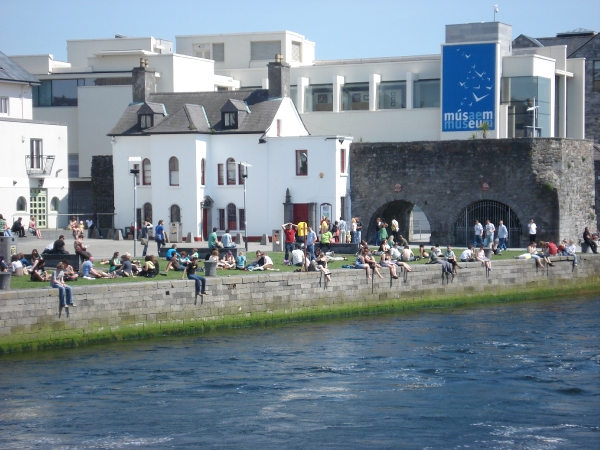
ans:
(326, 240)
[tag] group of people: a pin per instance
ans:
(18, 229)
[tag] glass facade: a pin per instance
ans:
(519, 93)
(318, 97)
(355, 96)
(64, 92)
(294, 94)
(426, 94)
(391, 95)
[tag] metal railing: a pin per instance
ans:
(39, 165)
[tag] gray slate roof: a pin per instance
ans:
(11, 71)
(200, 112)
(573, 42)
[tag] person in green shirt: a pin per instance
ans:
(383, 234)
(326, 240)
(213, 240)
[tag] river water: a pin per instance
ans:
(520, 375)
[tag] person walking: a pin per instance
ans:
(502, 235)
(478, 232)
(489, 233)
(159, 235)
(65, 293)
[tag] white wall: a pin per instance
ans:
(19, 100)
(79, 50)
(576, 99)
(290, 123)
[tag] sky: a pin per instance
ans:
(341, 29)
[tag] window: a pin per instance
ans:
(231, 217)
(426, 94)
(203, 172)
(35, 154)
(221, 219)
(58, 92)
(391, 95)
(202, 51)
(148, 212)
(137, 175)
(296, 51)
(146, 172)
(173, 171)
(301, 162)
(318, 97)
(21, 204)
(231, 171)
(230, 120)
(146, 121)
(264, 50)
(73, 165)
(355, 96)
(596, 86)
(3, 105)
(343, 160)
(218, 51)
(242, 225)
(175, 213)
(519, 94)
(54, 204)
(221, 181)
(240, 174)
(343, 208)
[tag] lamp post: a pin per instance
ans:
(245, 177)
(134, 168)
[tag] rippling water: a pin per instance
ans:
(523, 375)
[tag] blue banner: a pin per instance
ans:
(469, 90)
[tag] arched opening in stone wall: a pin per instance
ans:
(413, 224)
(487, 209)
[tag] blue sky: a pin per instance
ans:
(341, 29)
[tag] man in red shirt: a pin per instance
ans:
(290, 240)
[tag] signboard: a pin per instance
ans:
(468, 87)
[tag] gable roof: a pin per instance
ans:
(572, 40)
(200, 112)
(12, 72)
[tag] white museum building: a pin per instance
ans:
(189, 146)
(33, 173)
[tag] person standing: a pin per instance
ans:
(587, 238)
(489, 233)
(290, 240)
(190, 270)
(311, 238)
(65, 294)
(343, 229)
(148, 228)
(532, 231)
(159, 235)
(395, 228)
(478, 232)
(358, 230)
(90, 226)
(502, 235)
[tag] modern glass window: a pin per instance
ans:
(242, 225)
(318, 97)
(231, 217)
(146, 172)
(146, 121)
(343, 160)
(218, 52)
(231, 171)
(58, 92)
(73, 159)
(36, 154)
(220, 178)
(21, 204)
(221, 219)
(596, 86)
(173, 171)
(391, 95)
(175, 213)
(355, 96)
(203, 172)
(426, 94)
(54, 204)
(519, 93)
(3, 105)
(148, 212)
(296, 51)
(301, 162)
(230, 120)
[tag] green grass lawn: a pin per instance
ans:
(277, 257)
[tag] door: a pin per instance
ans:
(300, 213)
(38, 207)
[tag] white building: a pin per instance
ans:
(190, 145)
(33, 173)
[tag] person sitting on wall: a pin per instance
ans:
(227, 240)
(386, 261)
(468, 255)
(199, 281)
(213, 240)
(18, 228)
(485, 261)
(89, 273)
(33, 229)
(588, 239)
(58, 247)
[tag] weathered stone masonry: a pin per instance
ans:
(548, 179)
(30, 319)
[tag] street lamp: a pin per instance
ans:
(245, 176)
(134, 168)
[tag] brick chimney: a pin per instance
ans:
(143, 82)
(279, 78)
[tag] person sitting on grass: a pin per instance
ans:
(228, 261)
(240, 261)
(150, 267)
(89, 273)
(422, 253)
(126, 267)
(171, 252)
(177, 262)
(39, 273)
(267, 262)
(69, 272)
(259, 261)
(16, 267)
(298, 256)
(485, 261)
(194, 254)
(35, 259)
(214, 256)
(200, 282)
(115, 263)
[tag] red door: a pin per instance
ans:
(300, 212)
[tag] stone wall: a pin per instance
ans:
(31, 319)
(550, 180)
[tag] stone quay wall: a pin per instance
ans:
(32, 319)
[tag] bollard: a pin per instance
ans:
(189, 238)
(109, 235)
(239, 239)
(5, 281)
(265, 239)
(118, 236)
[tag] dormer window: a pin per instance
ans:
(230, 119)
(146, 121)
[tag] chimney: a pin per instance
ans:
(279, 78)
(143, 82)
